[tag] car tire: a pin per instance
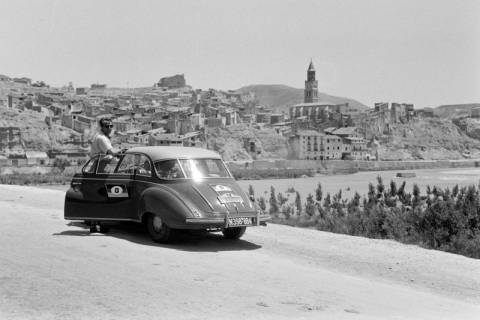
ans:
(104, 229)
(158, 230)
(234, 233)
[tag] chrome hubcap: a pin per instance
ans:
(157, 224)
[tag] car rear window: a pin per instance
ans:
(191, 169)
(204, 168)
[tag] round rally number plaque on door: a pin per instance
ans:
(117, 191)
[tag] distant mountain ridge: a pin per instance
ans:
(281, 96)
(455, 110)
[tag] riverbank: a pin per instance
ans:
(267, 169)
(358, 182)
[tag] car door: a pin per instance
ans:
(143, 179)
(108, 193)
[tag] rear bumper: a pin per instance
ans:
(221, 222)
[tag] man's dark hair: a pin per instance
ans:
(105, 121)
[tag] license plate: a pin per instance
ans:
(230, 198)
(239, 221)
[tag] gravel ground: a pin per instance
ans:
(53, 269)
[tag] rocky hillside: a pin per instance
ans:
(35, 134)
(422, 139)
(428, 139)
(281, 96)
(231, 142)
(471, 126)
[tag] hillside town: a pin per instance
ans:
(173, 113)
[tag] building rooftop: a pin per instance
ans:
(36, 154)
(345, 130)
(317, 104)
(309, 133)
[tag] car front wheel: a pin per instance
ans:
(234, 233)
(158, 230)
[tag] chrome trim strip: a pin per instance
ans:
(205, 220)
(220, 220)
(105, 179)
(102, 219)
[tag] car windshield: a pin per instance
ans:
(191, 169)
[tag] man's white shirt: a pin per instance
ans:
(100, 145)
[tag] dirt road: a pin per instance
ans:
(50, 269)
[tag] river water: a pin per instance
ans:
(349, 183)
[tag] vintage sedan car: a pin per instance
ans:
(166, 188)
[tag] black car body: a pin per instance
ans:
(167, 188)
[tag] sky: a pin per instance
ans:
(423, 52)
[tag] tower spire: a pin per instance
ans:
(311, 85)
(311, 67)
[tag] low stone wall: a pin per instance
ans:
(351, 166)
(25, 169)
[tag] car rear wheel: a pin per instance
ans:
(234, 233)
(158, 230)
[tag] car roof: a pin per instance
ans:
(171, 152)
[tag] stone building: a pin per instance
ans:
(176, 81)
(9, 135)
(475, 112)
(313, 145)
(98, 86)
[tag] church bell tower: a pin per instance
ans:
(311, 85)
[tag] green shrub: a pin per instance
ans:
(442, 219)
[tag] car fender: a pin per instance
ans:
(73, 197)
(166, 203)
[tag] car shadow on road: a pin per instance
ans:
(195, 241)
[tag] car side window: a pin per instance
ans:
(90, 166)
(107, 164)
(126, 164)
(135, 162)
(169, 169)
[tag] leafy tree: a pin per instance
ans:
(393, 188)
(401, 192)
(319, 193)
(380, 187)
(310, 205)
(455, 190)
(273, 201)
(281, 199)
(372, 199)
(416, 195)
(262, 204)
(251, 192)
(355, 202)
(337, 203)
(298, 203)
(429, 190)
(61, 163)
(327, 202)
